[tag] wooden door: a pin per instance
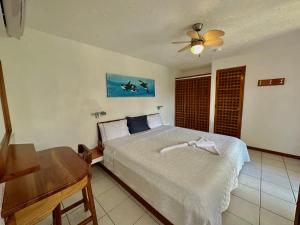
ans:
(229, 101)
(192, 103)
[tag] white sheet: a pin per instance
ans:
(187, 187)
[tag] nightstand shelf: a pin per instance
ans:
(97, 155)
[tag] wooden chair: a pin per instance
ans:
(86, 195)
(29, 199)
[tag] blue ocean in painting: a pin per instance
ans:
(127, 86)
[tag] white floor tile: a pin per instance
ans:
(295, 179)
(255, 157)
(251, 171)
(272, 156)
(244, 209)
(111, 198)
(102, 185)
(97, 172)
(267, 162)
(153, 217)
(296, 193)
(274, 171)
(137, 202)
(292, 164)
(278, 206)
(269, 218)
(247, 193)
(72, 199)
(275, 178)
(254, 154)
(291, 161)
(295, 185)
(146, 219)
(65, 221)
(278, 191)
(253, 165)
(294, 175)
(105, 220)
(293, 167)
(249, 181)
(127, 213)
(230, 219)
(79, 214)
(99, 210)
(123, 189)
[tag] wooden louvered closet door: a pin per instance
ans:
(192, 103)
(229, 101)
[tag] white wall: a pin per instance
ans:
(271, 115)
(53, 84)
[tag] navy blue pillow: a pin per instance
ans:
(137, 124)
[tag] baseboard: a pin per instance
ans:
(274, 152)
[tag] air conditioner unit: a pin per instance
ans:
(2, 26)
(12, 19)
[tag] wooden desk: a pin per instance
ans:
(30, 198)
(21, 160)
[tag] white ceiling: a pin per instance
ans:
(146, 28)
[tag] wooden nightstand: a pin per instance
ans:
(97, 155)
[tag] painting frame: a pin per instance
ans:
(118, 85)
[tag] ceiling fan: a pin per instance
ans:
(198, 42)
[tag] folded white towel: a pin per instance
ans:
(202, 143)
(169, 148)
(205, 144)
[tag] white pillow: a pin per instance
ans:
(154, 120)
(112, 130)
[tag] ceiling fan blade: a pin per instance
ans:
(214, 42)
(180, 42)
(212, 34)
(193, 34)
(184, 48)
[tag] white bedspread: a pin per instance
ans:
(186, 185)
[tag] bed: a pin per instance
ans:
(186, 185)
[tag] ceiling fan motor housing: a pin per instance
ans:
(197, 26)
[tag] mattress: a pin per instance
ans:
(187, 185)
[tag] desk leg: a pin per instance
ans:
(57, 215)
(91, 202)
(10, 220)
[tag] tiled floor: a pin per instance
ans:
(267, 192)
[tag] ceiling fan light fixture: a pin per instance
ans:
(197, 49)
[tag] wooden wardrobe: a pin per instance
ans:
(192, 102)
